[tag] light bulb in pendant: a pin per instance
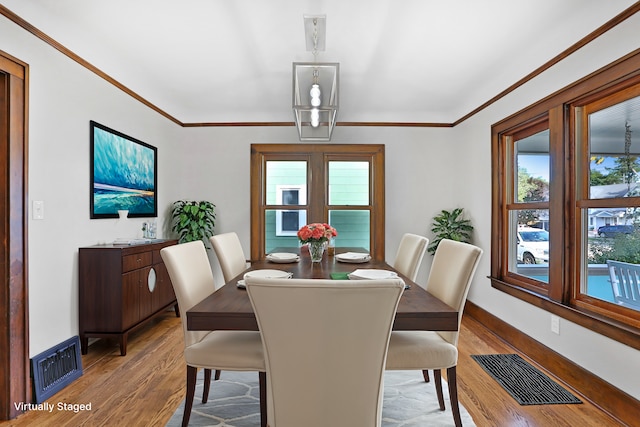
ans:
(315, 95)
(315, 117)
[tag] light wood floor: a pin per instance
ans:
(145, 387)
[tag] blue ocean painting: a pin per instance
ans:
(123, 175)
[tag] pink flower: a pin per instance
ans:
(304, 233)
(316, 232)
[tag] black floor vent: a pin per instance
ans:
(54, 369)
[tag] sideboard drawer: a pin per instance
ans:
(135, 261)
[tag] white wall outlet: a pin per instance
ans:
(555, 324)
(38, 209)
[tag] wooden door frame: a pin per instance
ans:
(15, 385)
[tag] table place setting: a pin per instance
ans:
(264, 274)
(283, 257)
(353, 257)
(372, 274)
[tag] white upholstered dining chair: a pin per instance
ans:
(230, 254)
(325, 345)
(454, 265)
(410, 254)
(192, 280)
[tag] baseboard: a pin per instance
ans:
(600, 393)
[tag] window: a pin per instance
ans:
(288, 222)
(608, 201)
(528, 208)
(566, 178)
(292, 185)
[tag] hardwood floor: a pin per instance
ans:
(145, 387)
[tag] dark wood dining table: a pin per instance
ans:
(229, 308)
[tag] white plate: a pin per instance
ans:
(353, 257)
(370, 273)
(283, 257)
(269, 274)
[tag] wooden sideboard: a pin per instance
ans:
(120, 288)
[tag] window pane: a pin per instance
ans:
(286, 183)
(529, 244)
(349, 183)
(532, 168)
(281, 227)
(613, 234)
(353, 228)
(614, 154)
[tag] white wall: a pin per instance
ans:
(63, 97)
(215, 167)
(426, 170)
(610, 360)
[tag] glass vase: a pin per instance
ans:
(316, 249)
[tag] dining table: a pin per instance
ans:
(229, 307)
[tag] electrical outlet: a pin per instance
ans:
(555, 324)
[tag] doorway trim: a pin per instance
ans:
(15, 385)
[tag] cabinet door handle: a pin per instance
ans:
(151, 280)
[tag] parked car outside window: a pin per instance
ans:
(614, 230)
(533, 245)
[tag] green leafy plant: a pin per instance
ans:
(625, 248)
(450, 225)
(193, 220)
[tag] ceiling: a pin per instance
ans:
(430, 61)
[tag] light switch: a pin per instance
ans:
(38, 209)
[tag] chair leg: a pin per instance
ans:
(453, 395)
(191, 389)
(217, 377)
(262, 381)
(207, 385)
(437, 378)
(425, 374)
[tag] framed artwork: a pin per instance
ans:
(124, 174)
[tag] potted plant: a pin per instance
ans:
(193, 220)
(450, 225)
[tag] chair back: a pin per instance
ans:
(410, 254)
(190, 273)
(454, 265)
(325, 345)
(230, 254)
(625, 283)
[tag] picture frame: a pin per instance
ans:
(124, 174)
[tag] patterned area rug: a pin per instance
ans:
(523, 381)
(233, 402)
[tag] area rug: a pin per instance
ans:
(525, 383)
(233, 402)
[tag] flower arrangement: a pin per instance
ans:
(316, 232)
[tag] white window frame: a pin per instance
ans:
(302, 201)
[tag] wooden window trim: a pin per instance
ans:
(613, 78)
(261, 153)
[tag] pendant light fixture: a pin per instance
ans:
(315, 86)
